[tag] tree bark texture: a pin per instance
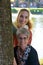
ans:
(6, 43)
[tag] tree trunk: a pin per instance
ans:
(6, 45)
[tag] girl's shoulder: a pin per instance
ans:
(14, 27)
(15, 24)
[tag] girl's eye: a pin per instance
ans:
(21, 16)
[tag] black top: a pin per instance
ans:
(32, 58)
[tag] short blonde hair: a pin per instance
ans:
(22, 31)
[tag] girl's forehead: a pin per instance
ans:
(24, 13)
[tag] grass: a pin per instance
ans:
(41, 61)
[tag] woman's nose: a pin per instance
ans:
(22, 41)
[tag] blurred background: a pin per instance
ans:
(36, 14)
(27, 3)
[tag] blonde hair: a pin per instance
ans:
(29, 23)
(22, 31)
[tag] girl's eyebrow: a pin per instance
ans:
(22, 16)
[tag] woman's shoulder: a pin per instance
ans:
(33, 50)
(15, 48)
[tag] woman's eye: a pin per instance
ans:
(26, 17)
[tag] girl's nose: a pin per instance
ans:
(23, 20)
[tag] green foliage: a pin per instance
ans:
(36, 11)
(32, 10)
(41, 64)
(14, 11)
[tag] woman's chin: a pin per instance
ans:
(23, 48)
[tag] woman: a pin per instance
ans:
(25, 54)
(22, 21)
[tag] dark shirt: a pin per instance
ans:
(32, 58)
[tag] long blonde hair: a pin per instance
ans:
(29, 23)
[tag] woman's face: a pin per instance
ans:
(23, 18)
(23, 41)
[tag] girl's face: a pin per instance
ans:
(23, 18)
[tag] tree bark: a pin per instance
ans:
(6, 43)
